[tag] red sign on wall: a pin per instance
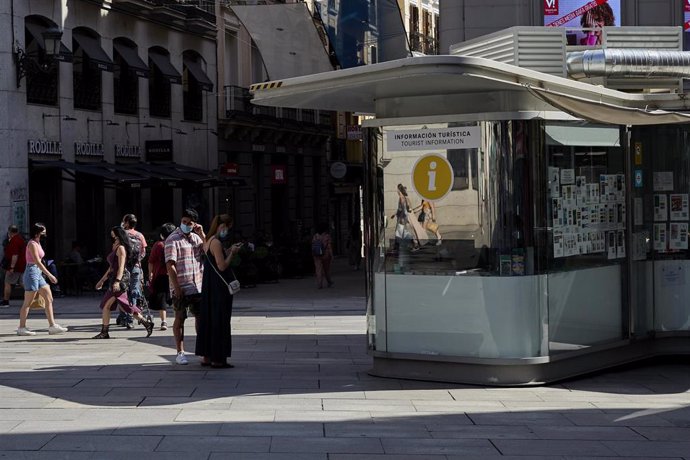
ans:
(229, 169)
(278, 174)
(550, 6)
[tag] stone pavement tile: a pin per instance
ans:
(552, 447)
(214, 444)
(678, 417)
(64, 426)
(376, 430)
(74, 393)
(484, 432)
(466, 447)
(95, 443)
(273, 402)
(269, 456)
(458, 406)
(142, 392)
(631, 449)
(171, 429)
(519, 418)
(517, 394)
(41, 414)
(595, 433)
(615, 419)
(87, 402)
(417, 395)
(270, 385)
(368, 405)
(37, 402)
(33, 441)
(585, 457)
(126, 415)
(513, 457)
(663, 433)
(326, 445)
(118, 383)
(214, 415)
(386, 457)
(521, 406)
(38, 383)
(296, 429)
(290, 393)
(321, 416)
(170, 402)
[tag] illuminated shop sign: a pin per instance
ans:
(45, 147)
(88, 149)
(127, 151)
(585, 18)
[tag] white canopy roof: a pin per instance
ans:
(359, 89)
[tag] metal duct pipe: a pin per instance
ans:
(628, 63)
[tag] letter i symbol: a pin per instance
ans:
(432, 176)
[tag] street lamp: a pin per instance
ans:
(25, 63)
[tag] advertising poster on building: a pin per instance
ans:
(584, 17)
(660, 208)
(679, 206)
(678, 238)
(660, 237)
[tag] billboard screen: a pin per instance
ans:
(582, 14)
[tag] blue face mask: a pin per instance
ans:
(186, 228)
(223, 234)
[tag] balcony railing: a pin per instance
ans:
(238, 100)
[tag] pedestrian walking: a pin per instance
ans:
(118, 279)
(13, 262)
(159, 285)
(138, 252)
(184, 253)
(213, 339)
(35, 285)
(322, 252)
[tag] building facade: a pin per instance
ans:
(119, 121)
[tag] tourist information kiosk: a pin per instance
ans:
(520, 227)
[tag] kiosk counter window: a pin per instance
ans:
(483, 242)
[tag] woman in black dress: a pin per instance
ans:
(213, 340)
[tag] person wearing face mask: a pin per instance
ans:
(184, 260)
(118, 278)
(213, 338)
(35, 285)
(159, 286)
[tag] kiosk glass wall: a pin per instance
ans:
(660, 158)
(502, 258)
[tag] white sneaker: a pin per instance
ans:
(181, 359)
(56, 329)
(25, 331)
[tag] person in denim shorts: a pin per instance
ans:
(34, 283)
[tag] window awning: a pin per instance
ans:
(93, 50)
(131, 57)
(36, 32)
(162, 63)
(109, 172)
(194, 67)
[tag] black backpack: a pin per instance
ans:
(136, 251)
(317, 247)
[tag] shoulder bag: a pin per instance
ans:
(233, 286)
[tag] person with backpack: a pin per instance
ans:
(118, 279)
(138, 245)
(322, 252)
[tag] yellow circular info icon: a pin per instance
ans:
(432, 177)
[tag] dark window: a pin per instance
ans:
(159, 93)
(125, 86)
(42, 74)
(192, 97)
(86, 78)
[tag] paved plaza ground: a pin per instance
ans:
(300, 391)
